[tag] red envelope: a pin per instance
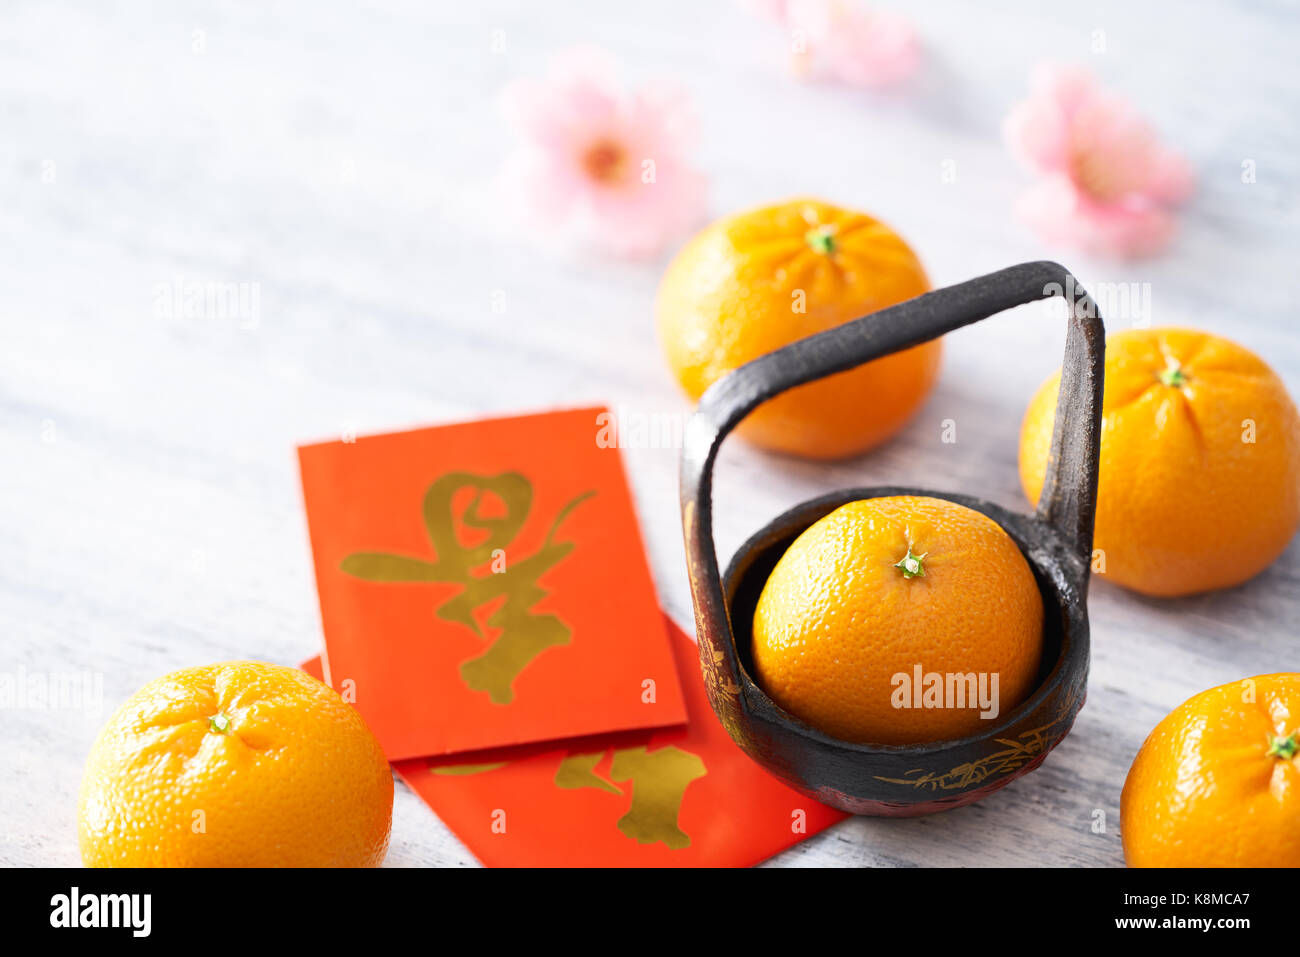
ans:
(681, 798)
(484, 585)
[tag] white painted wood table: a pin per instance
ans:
(343, 161)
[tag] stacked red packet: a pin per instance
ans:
(488, 608)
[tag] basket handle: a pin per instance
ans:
(1069, 496)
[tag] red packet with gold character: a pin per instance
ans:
(484, 585)
(686, 797)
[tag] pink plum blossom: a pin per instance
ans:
(1107, 185)
(600, 167)
(768, 9)
(845, 41)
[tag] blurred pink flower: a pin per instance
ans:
(770, 9)
(845, 40)
(1108, 185)
(600, 167)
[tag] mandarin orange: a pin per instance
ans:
(754, 282)
(240, 764)
(880, 588)
(1199, 486)
(1217, 783)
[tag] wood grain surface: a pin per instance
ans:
(341, 161)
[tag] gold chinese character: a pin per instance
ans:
(659, 780)
(523, 634)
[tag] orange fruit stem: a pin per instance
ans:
(1284, 748)
(912, 566)
(1173, 374)
(821, 239)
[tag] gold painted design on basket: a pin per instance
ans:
(1015, 754)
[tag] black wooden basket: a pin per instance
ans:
(1056, 540)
